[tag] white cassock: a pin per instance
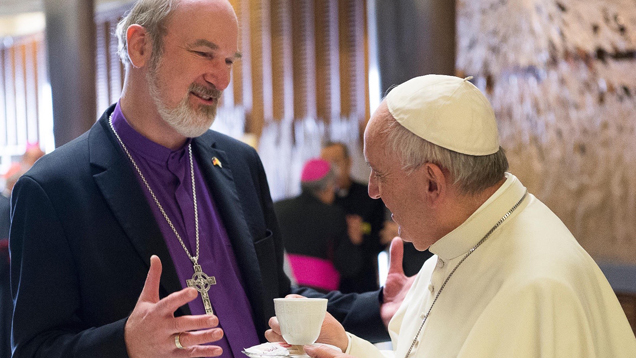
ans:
(530, 290)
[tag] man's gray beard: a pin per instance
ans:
(187, 121)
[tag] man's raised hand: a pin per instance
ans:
(397, 283)
(152, 330)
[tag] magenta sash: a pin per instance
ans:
(314, 272)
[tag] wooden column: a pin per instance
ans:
(417, 37)
(70, 34)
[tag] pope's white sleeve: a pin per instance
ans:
(360, 348)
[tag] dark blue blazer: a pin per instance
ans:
(83, 232)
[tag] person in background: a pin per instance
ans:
(508, 279)
(30, 156)
(319, 249)
(150, 235)
(365, 218)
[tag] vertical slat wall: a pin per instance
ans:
(353, 70)
(110, 70)
(282, 60)
(304, 67)
(327, 66)
(261, 60)
(21, 74)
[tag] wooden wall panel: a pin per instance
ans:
(261, 66)
(19, 73)
(353, 72)
(31, 89)
(3, 99)
(110, 71)
(282, 60)
(22, 79)
(237, 69)
(327, 66)
(9, 94)
(304, 59)
(101, 65)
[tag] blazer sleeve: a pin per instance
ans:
(347, 257)
(42, 267)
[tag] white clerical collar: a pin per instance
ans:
(468, 234)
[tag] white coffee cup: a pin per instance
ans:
(300, 319)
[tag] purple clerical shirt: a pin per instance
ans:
(168, 174)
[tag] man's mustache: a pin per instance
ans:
(203, 91)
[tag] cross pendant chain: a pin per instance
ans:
(202, 283)
(200, 280)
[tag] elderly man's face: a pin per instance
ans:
(199, 49)
(398, 189)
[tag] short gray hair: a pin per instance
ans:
(473, 174)
(317, 186)
(152, 15)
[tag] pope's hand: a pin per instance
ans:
(331, 331)
(397, 284)
(324, 352)
(152, 329)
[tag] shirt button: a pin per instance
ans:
(440, 263)
(431, 287)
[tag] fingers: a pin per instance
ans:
(397, 253)
(273, 334)
(150, 292)
(196, 338)
(322, 352)
(192, 323)
(293, 295)
(273, 324)
(173, 301)
(199, 351)
(333, 333)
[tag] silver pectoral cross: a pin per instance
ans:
(202, 283)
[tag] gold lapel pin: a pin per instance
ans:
(216, 162)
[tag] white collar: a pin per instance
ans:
(468, 234)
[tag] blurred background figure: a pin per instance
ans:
(15, 171)
(315, 234)
(365, 218)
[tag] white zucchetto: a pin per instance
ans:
(447, 111)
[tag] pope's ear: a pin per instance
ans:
(436, 178)
(139, 45)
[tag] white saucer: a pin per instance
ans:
(279, 349)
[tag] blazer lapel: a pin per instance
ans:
(223, 190)
(117, 182)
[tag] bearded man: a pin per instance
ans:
(150, 235)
